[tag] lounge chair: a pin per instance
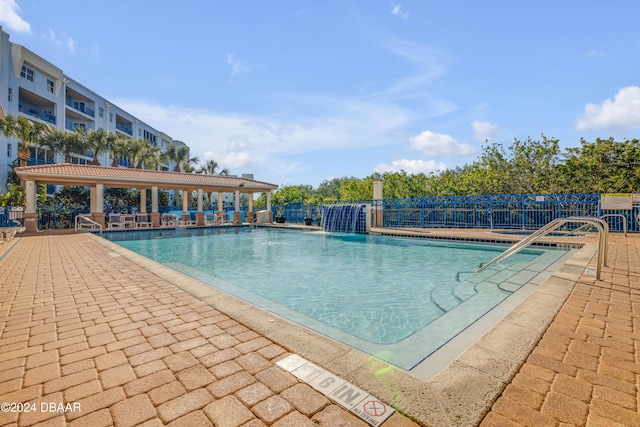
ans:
(169, 220)
(115, 221)
(211, 219)
(222, 218)
(185, 219)
(142, 221)
(129, 220)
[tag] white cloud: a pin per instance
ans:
(9, 15)
(483, 130)
(71, 44)
(63, 40)
(95, 50)
(397, 11)
(411, 166)
(623, 112)
(231, 160)
(596, 53)
(238, 141)
(236, 65)
(438, 144)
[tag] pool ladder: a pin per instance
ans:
(600, 224)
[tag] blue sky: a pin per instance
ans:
(297, 92)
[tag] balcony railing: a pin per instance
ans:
(123, 128)
(37, 113)
(80, 106)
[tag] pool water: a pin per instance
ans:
(372, 292)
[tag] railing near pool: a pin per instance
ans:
(505, 211)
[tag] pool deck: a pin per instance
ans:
(85, 323)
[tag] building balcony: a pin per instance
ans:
(37, 113)
(124, 129)
(80, 106)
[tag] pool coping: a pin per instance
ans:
(461, 394)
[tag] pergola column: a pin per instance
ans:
(377, 200)
(269, 206)
(154, 216)
(220, 211)
(237, 215)
(31, 214)
(143, 200)
(185, 201)
(96, 197)
(250, 208)
(200, 213)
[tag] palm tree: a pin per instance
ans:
(190, 164)
(118, 148)
(209, 168)
(152, 157)
(137, 149)
(171, 155)
(66, 143)
(27, 132)
(99, 141)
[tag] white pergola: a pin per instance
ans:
(99, 177)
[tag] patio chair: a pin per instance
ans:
(185, 219)
(129, 220)
(142, 221)
(211, 219)
(221, 219)
(169, 220)
(115, 221)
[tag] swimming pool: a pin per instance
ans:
(399, 299)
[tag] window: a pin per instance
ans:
(100, 112)
(27, 73)
(9, 150)
(10, 94)
(50, 85)
(111, 117)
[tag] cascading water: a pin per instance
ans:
(345, 218)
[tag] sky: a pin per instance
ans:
(300, 91)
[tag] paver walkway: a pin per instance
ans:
(585, 371)
(128, 348)
(87, 338)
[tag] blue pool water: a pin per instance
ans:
(372, 292)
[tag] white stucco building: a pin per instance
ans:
(36, 89)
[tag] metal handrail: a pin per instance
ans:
(601, 225)
(85, 219)
(624, 221)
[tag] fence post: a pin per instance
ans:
(455, 211)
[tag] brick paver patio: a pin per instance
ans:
(585, 371)
(83, 327)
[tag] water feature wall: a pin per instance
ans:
(346, 218)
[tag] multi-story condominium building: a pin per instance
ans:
(36, 89)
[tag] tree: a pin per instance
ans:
(27, 132)
(66, 143)
(356, 189)
(119, 149)
(152, 157)
(210, 167)
(99, 141)
(137, 149)
(70, 196)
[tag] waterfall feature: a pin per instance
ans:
(345, 218)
